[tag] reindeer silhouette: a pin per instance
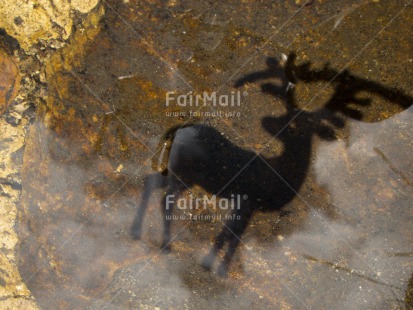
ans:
(197, 154)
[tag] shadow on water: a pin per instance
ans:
(198, 155)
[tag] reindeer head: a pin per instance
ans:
(322, 122)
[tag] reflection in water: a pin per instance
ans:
(82, 174)
(200, 155)
(371, 184)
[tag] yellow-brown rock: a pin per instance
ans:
(44, 20)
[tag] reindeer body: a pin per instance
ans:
(200, 155)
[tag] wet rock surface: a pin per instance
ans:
(13, 291)
(343, 240)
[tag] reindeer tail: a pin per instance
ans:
(160, 159)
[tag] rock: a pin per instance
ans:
(33, 21)
(49, 23)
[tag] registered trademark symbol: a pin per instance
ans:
(245, 197)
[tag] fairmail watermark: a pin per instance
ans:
(213, 99)
(203, 217)
(233, 202)
(219, 113)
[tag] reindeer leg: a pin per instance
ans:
(236, 226)
(222, 270)
(220, 240)
(151, 182)
(209, 259)
(174, 191)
